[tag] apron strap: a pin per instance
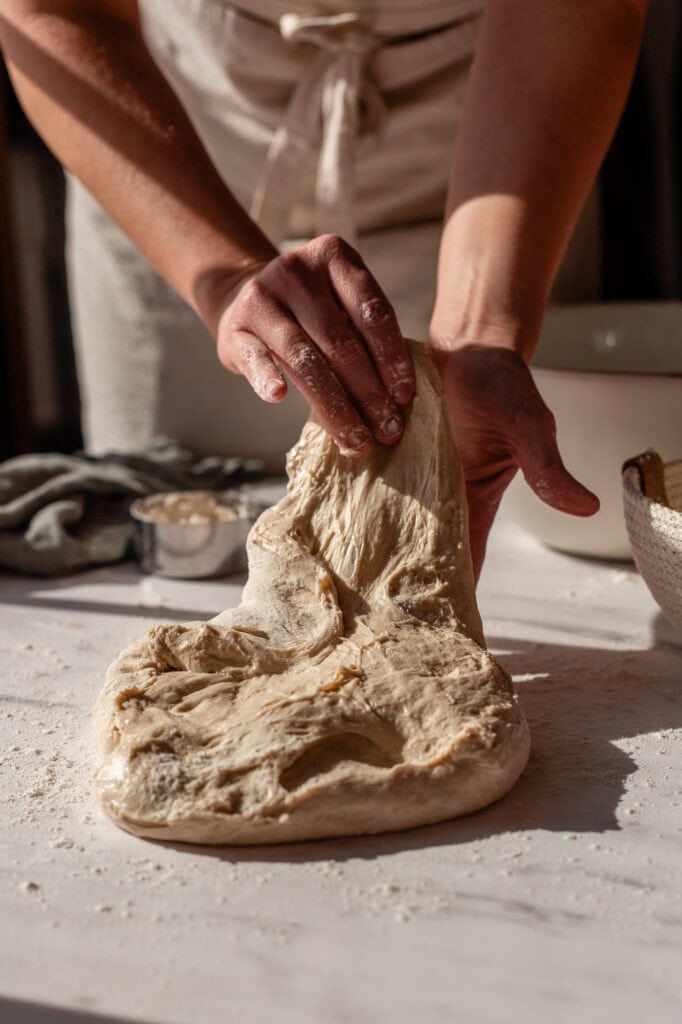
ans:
(323, 111)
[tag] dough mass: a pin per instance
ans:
(350, 692)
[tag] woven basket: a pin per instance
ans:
(652, 498)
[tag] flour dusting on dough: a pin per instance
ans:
(350, 692)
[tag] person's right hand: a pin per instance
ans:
(318, 313)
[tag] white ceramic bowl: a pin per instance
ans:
(612, 376)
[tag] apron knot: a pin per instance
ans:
(333, 103)
(335, 32)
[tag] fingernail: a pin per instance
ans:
(392, 427)
(402, 393)
(273, 387)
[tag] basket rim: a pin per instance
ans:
(632, 492)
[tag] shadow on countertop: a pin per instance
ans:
(17, 1011)
(579, 702)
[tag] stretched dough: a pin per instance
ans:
(350, 692)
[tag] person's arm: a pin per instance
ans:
(548, 85)
(89, 85)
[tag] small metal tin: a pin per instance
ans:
(198, 545)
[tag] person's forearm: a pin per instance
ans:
(548, 85)
(90, 87)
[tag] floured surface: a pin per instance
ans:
(349, 692)
(564, 893)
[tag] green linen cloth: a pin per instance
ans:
(60, 513)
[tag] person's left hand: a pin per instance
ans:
(500, 424)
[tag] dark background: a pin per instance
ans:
(635, 222)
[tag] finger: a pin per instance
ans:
(314, 377)
(539, 459)
(360, 295)
(334, 333)
(483, 500)
(253, 359)
(481, 516)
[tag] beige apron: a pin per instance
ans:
(319, 118)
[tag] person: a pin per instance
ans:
(279, 164)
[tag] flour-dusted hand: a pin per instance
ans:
(319, 314)
(500, 424)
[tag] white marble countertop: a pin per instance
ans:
(561, 903)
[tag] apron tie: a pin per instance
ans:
(333, 102)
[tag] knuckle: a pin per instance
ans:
(376, 311)
(292, 262)
(386, 348)
(303, 360)
(402, 369)
(355, 437)
(283, 333)
(335, 250)
(343, 349)
(332, 245)
(402, 377)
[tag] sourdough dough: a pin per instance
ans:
(350, 692)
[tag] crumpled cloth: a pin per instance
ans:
(60, 513)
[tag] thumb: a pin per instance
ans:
(540, 462)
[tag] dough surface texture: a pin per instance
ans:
(350, 692)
